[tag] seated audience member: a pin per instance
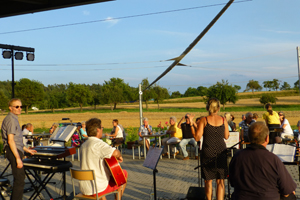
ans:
(255, 116)
(76, 138)
(92, 153)
(83, 131)
(232, 124)
(187, 136)
(228, 119)
(243, 119)
(175, 136)
(116, 133)
(256, 173)
(53, 127)
(244, 127)
(271, 117)
(145, 129)
(23, 127)
(287, 129)
(28, 131)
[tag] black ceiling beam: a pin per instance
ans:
(17, 7)
(18, 48)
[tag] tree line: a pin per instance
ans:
(112, 92)
(115, 91)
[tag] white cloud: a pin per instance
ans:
(111, 21)
(85, 12)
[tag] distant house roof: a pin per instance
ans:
(17, 7)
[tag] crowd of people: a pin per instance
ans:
(251, 171)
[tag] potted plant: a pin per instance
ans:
(132, 136)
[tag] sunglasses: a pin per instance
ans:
(17, 107)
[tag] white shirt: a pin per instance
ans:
(26, 132)
(120, 133)
(287, 131)
(92, 154)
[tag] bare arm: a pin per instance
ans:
(179, 124)
(116, 132)
(13, 148)
(284, 125)
(226, 134)
(242, 134)
(200, 129)
(118, 155)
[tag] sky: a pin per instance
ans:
(254, 39)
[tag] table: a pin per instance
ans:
(153, 135)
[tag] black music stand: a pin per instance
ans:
(151, 162)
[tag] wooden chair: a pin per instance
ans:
(87, 175)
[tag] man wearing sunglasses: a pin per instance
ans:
(13, 144)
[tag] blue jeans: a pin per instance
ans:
(183, 144)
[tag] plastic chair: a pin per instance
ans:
(175, 144)
(86, 175)
(139, 150)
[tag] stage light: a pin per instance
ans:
(19, 55)
(30, 56)
(6, 54)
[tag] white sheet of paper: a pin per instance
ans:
(286, 153)
(234, 137)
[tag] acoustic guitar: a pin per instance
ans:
(116, 170)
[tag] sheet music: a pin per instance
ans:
(270, 147)
(234, 137)
(64, 133)
(153, 157)
(285, 152)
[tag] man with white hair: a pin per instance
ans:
(175, 135)
(145, 129)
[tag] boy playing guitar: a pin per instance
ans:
(93, 153)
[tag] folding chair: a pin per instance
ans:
(86, 175)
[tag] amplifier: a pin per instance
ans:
(196, 193)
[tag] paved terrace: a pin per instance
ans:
(174, 178)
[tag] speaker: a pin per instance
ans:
(196, 193)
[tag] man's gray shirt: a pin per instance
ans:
(10, 125)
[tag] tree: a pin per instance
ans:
(176, 94)
(30, 92)
(268, 84)
(224, 92)
(160, 94)
(296, 85)
(285, 86)
(78, 94)
(253, 85)
(3, 101)
(267, 98)
(237, 87)
(191, 92)
(96, 93)
(115, 91)
(147, 94)
(275, 84)
(202, 91)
